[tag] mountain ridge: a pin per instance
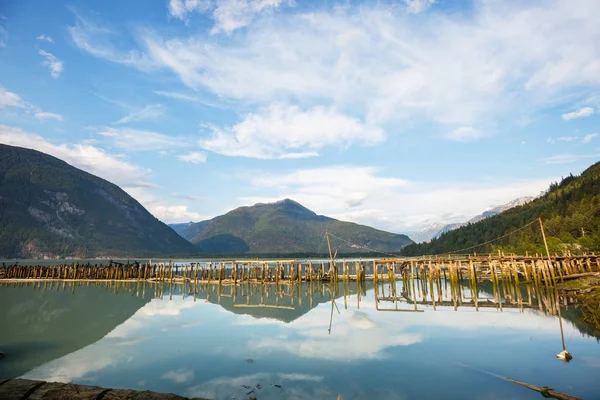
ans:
(285, 227)
(50, 209)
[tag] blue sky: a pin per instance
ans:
(395, 114)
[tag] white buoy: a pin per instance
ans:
(564, 356)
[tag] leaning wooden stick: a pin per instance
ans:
(544, 391)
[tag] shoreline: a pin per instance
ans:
(19, 389)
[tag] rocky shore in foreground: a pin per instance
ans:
(39, 390)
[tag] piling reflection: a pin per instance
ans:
(287, 302)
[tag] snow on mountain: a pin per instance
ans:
(437, 229)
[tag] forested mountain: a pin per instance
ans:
(570, 211)
(286, 227)
(50, 209)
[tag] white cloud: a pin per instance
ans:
(562, 139)
(174, 214)
(140, 140)
(567, 158)
(195, 157)
(358, 336)
(341, 177)
(53, 63)
(182, 375)
(581, 113)
(588, 138)
(3, 37)
(46, 115)
(220, 103)
(382, 65)
(417, 6)
(361, 194)
(236, 386)
(153, 111)
(10, 99)
(167, 213)
(96, 40)
(178, 96)
(283, 131)
(465, 134)
(161, 308)
(290, 156)
(228, 15)
(45, 38)
(180, 8)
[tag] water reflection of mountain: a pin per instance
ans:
(41, 325)
(262, 301)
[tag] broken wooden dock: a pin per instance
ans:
(541, 270)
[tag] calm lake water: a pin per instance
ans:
(279, 342)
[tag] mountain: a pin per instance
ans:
(501, 208)
(42, 325)
(50, 209)
(286, 227)
(570, 211)
(433, 231)
(437, 229)
(180, 227)
(188, 230)
(264, 303)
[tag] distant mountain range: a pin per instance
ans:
(50, 209)
(570, 211)
(437, 229)
(285, 227)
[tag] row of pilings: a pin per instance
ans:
(535, 269)
(222, 271)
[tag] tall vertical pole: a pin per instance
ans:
(329, 245)
(550, 266)
(544, 237)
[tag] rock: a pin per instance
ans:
(66, 391)
(18, 388)
(125, 394)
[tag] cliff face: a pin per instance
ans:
(50, 209)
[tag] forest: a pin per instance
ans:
(569, 210)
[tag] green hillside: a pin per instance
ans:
(570, 211)
(43, 325)
(51, 209)
(286, 227)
